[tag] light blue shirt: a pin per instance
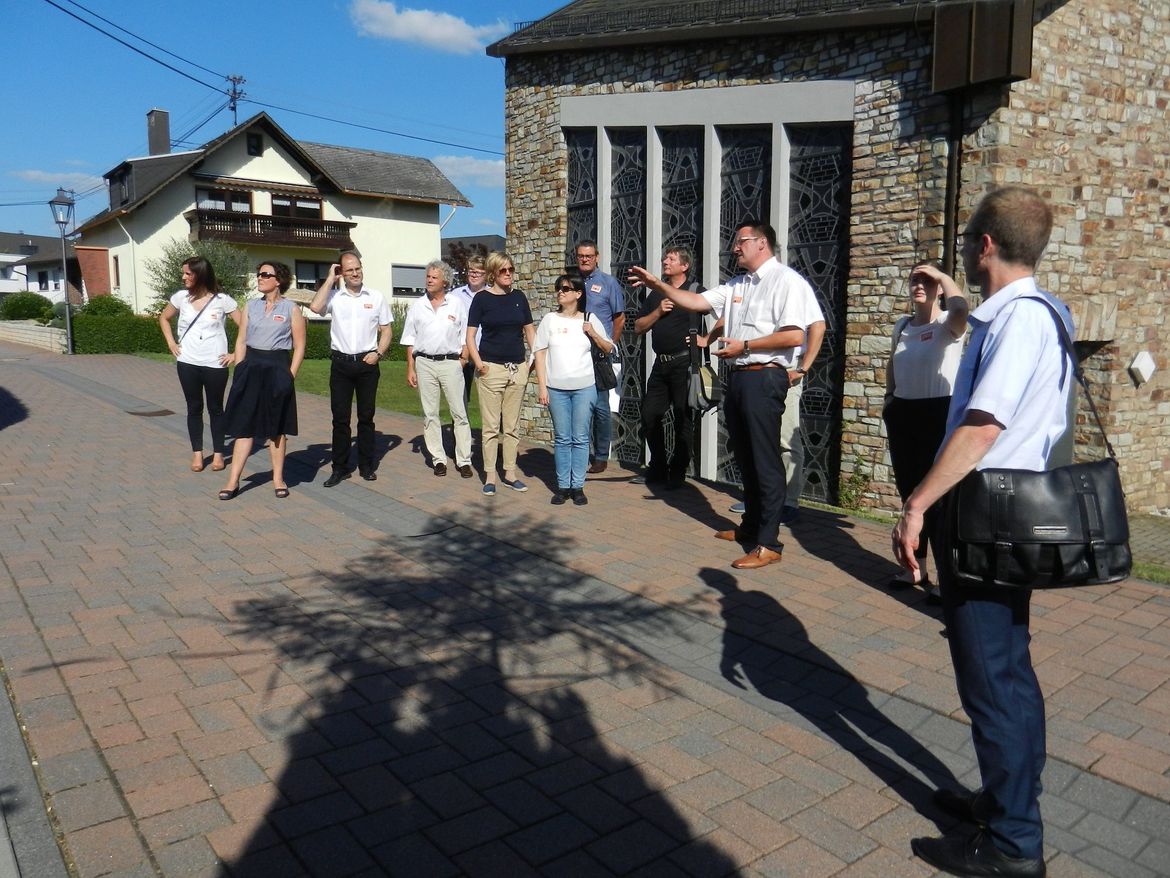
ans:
(604, 297)
(1015, 369)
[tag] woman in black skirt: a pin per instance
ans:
(920, 378)
(263, 402)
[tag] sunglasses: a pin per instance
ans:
(267, 275)
(505, 271)
(565, 290)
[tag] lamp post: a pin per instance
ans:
(62, 207)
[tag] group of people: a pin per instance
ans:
(1002, 402)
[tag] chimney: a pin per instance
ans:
(158, 132)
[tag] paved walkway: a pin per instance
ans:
(404, 677)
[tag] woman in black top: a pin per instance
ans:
(501, 366)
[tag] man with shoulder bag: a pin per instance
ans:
(1009, 410)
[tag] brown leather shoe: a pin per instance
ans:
(728, 535)
(598, 466)
(757, 557)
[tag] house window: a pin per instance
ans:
(124, 188)
(255, 144)
(223, 199)
(117, 274)
(311, 274)
(302, 208)
(408, 280)
(42, 280)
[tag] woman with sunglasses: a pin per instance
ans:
(201, 353)
(501, 367)
(263, 401)
(564, 371)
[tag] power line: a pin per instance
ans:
(136, 49)
(370, 127)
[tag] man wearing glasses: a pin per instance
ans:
(604, 297)
(476, 281)
(359, 336)
(764, 314)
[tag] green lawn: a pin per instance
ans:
(394, 394)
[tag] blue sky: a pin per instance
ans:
(77, 100)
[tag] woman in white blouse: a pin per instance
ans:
(201, 352)
(564, 371)
(920, 378)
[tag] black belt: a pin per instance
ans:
(755, 367)
(667, 358)
(349, 358)
(436, 356)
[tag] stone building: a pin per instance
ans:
(865, 131)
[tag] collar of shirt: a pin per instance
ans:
(990, 307)
(764, 270)
(364, 291)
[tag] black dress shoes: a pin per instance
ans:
(974, 857)
(338, 476)
(961, 806)
(370, 476)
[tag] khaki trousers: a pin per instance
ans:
(443, 377)
(501, 392)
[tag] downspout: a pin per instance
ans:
(133, 261)
(954, 182)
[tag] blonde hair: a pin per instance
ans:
(495, 261)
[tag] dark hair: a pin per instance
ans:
(576, 284)
(759, 227)
(937, 266)
(588, 242)
(204, 275)
(283, 274)
(1018, 220)
(684, 254)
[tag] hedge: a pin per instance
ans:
(131, 334)
(25, 306)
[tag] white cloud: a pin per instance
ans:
(61, 179)
(438, 30)
(489, 223)
(464, 170)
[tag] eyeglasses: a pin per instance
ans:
(508, 270)
(476, 272)
(351, 271)
(586, 257)
(742, 241)
(267, 275)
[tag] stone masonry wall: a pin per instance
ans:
(1082, 130)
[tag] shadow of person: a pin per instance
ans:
(446, 725)
(692, 502)
(12, 410)
(811, 683)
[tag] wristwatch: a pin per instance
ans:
(800, 370)
(747, 347)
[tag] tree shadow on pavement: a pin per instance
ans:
(460, 690)
(810, 682)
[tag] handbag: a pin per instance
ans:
(604, 378)
(705, 387)
(1058, 528)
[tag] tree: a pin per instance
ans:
(457, 255)
(165, 274)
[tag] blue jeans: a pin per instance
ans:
(572, 412)
(601, 427)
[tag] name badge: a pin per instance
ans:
(369, 306)
(279, 318)
(214, 315)
(927, 336)
(450, 318)
(737, 299)
(595, 288)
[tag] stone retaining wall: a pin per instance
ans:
(33, 334)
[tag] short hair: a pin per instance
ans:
(588, 242)
(577, 284)
(1017, 219)
(475, 262)
(684, 254)
(282, 272)
(761, 228)
(204, 275)
(494, 262)
(446, 270)
(354, 252)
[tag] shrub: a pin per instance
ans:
(123, 334)
(58, 311)
(165, 274)
(106, 306)
(25, 306)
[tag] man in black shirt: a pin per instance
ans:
(666, 388)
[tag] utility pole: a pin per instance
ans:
(235, 94)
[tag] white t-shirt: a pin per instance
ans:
(926, 360)
(431, 330)
(206, 341)
(569, 361)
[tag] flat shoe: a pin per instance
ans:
(338, 476)
(440, 469)
(729, 535)
(196, 467)
(218, 467)
(760, 556)
(974, 857)
(228, 493)
(598, 466)
(489, 490)
(466, 471)
(281, 493)
(516, 485)
(960, 805)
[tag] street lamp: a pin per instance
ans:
(62, 207)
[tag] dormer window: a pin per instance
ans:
(124, 187)
(255, 144)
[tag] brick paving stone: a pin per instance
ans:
(88, 805)
(470, 830)
(632, 846)
(799, 859)
(494, 860)
(191, 856)
(107, 847)
(550, 839)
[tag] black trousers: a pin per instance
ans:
(915, 428)
(199, 382)
(752, 409)
(346, 380)
(666, 389)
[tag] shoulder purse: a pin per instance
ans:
(1053, 529)
(603, 375)
(705, 387)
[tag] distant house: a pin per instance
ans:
(865, 131)
(33, 263)
(275, 197)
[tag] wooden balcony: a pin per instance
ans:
(282, 231)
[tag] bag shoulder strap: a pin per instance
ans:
(900, 327)
(214, 296)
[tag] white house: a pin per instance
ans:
(275, 197)
(33, 263)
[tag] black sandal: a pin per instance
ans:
(281, 493)
(228, 494)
